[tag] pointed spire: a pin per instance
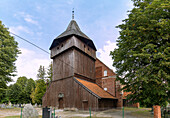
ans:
(73, 14)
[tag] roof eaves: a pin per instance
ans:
(86, 88)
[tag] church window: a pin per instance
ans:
(105, 89)
(105, 73)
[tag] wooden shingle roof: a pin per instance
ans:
(94, 88)
(73, 29)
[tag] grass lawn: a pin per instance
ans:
(17, 117)
(91, 117)
(142, 112)
(12, 109)
(41, 117)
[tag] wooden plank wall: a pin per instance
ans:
(84, 65)
(62, 47)
(74, 95)
(63, 65)
(82, 95)
(64, 86)
(107, 104)
(84, 47)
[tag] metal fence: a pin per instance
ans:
(165, 112)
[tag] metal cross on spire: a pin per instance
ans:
(73, 14)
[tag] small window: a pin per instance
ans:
(57, 48)
(105, 73)
(84, 46)
(62, 45)
(88, 49)
(105, 89)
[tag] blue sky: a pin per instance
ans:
(40, 21)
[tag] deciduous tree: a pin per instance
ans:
(142, 58)
(39, 91)
(8, 55)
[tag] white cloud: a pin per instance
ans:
(19, 29)
(29, 62)
(28, 18)
(104, 53)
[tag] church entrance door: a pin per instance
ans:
(60, 103)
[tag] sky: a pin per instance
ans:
(41, 21)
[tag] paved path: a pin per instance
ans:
(113, 113)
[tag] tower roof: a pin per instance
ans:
(73, 29)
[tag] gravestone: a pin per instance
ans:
(3, 106)
(9, 103)
(30, 112)
(35, 105)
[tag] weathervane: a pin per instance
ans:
(73, 14)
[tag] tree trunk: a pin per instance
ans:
(157, 111)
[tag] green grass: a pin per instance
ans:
(12, 117)
(41, 117)
(91, 117)
(17, 116)
(142, 113)
(12, 109)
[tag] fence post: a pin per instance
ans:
(21, 112)
(123, 112)
(54, 112)
(90, 111)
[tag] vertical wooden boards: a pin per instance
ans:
(84, 99)
(63, 65)
(84, 65)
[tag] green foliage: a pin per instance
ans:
(28, 89)
(142, 58)
(50, 72)
(41, 73)
(20, 92)
(22, 81)
(14, 93)
(39, 91)
(8, 54)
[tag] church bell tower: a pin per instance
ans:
(73, 54)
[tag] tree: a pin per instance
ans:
(41, 72)
(28, 90)
(20, 92)
(3, 92)
(142, 58)
(22, 81)
(39, 91)
(50, 72)
(14, 93)
(8, 53)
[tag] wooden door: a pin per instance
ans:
(60, 103)
(85, 105)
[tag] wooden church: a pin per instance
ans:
(78, 76)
